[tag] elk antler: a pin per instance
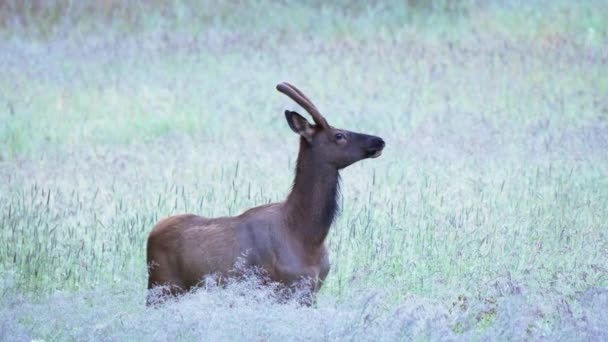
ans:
(301, 99)
(300, 93)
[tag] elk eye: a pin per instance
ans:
(340, 136)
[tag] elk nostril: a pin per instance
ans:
(378, 142)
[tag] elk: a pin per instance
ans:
(287, 239)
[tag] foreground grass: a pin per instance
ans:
(485, 217)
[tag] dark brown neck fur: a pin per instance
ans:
(313, 202)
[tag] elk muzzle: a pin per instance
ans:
(374, 147)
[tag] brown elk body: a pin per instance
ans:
(286, 239)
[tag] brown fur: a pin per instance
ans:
(285, 240)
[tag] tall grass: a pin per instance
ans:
(484, 219)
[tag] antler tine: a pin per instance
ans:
(301, 99)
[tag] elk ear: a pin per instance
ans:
(299, 125)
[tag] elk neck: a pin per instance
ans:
(313, 202)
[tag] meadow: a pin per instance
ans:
(486, 217)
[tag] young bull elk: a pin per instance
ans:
(286, 239)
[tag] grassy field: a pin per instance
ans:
(486, 218)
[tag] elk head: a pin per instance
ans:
(332, 146)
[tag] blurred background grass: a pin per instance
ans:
(47, 43)
(350, 18)
(485, 218)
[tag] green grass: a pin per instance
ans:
(485, 218)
